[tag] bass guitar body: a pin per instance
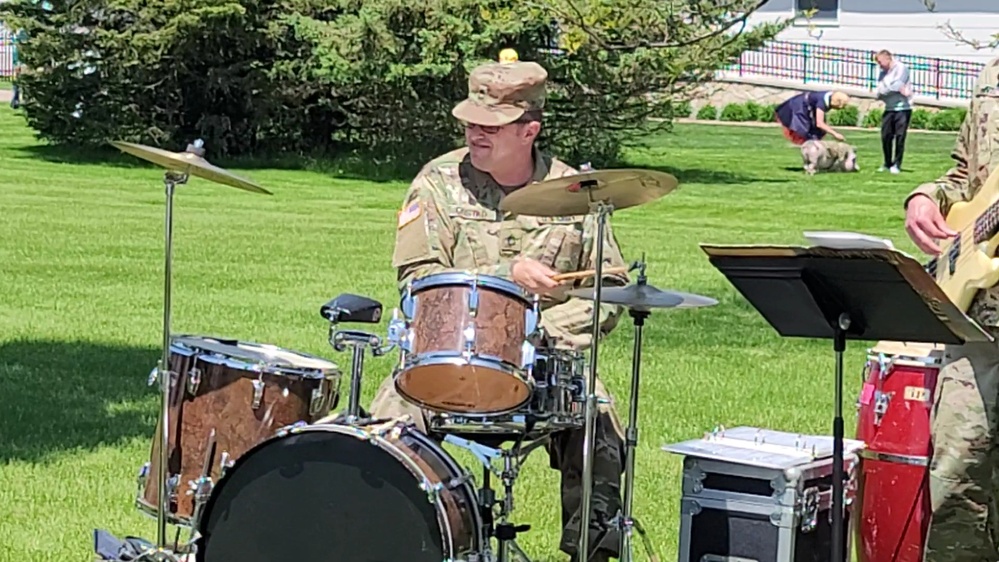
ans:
(967, 263)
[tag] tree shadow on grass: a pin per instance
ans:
(65, 395)
(350, 166)
(705, 176)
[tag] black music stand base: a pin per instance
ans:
(838, 533)
(839, 295)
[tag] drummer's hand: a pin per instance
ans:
(923, 223)
(533, 276)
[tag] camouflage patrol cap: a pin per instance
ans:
(499, 93)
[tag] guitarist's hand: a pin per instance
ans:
(924, 222)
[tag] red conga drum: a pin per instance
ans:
(894, 421)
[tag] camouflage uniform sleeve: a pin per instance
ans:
(571, 322)
(952, 187)
(424, 237)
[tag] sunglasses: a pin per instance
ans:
(493, 129)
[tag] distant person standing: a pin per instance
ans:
(15, 100)
(895, 90)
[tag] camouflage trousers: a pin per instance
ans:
(565, 453)
(964, 470)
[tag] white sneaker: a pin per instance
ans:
(894, 170)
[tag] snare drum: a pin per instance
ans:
(344, 493)
(232, 395)
(466, 347)
(558, 402)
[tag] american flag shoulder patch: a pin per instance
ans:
(410, 213)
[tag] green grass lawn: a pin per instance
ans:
(80, 316)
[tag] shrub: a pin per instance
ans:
(920, 119)
(707, 113)
(848, 116)
(736, 112)
(766, 113)
(873, 117)
(949, 119)
(682, 109)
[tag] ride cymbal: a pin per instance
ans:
(188, 163)
(572, 195)
(640, 296)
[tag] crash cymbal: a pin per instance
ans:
(640, 296)
(189, 163)
(572, 195)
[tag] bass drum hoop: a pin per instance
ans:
(444, 525)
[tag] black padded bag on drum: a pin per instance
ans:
(319, 496)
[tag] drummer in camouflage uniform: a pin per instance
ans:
(450, 221)
(964, 471)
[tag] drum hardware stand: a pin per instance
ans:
(602, 209)
(358, 341)
(500, 527)
(171, 179)
(625, 521)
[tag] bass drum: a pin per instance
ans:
(376, 493)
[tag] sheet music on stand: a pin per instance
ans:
(839, 240)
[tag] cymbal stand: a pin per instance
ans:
(357, 341)
(624, 520)
(602, 209)
(171, 179)
(500, 527)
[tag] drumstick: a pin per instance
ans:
(587, 273)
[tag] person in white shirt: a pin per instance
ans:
(895, 90)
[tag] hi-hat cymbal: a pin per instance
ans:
(640, 296)
(572, 195)
(188, 163)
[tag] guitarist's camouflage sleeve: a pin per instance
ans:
(450, 221)
(964, 467)
(975, 154)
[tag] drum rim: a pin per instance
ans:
(358, 432)
(186, 345)
(460, 359)
(427, 406)
(467, 278)
(919, 361)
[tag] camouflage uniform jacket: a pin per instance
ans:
(976, 154)
(450, 221)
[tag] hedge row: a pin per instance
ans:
(922, 119)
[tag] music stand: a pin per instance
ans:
(841, 294)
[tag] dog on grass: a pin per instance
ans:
(823, 156)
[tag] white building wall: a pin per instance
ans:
(901, 26)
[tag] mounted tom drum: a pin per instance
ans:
(466, 347)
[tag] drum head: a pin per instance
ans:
(256, 356)
(909, 349)
(319, 495)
